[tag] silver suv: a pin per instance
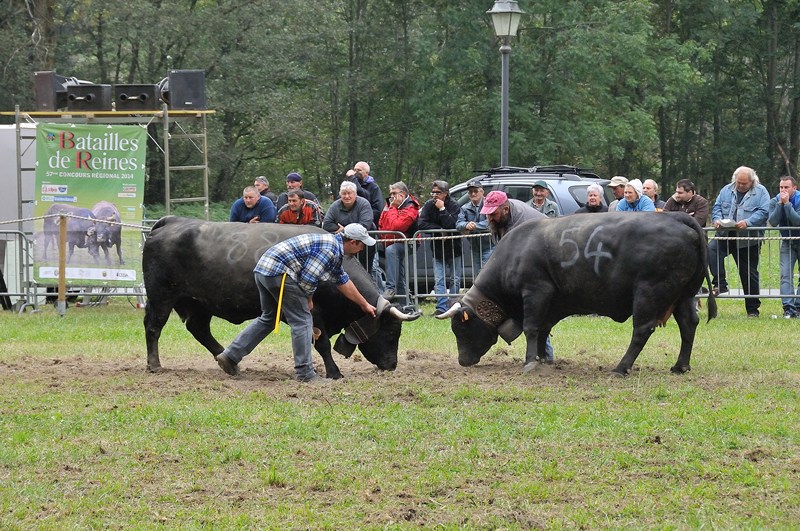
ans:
(567, 185)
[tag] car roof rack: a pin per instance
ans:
(567, 172)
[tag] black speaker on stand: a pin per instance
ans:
(50, 91)
(89, 97)
(136, 97)
(184, 89)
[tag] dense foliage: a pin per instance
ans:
(665, 89)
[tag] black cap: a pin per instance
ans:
(474, 183)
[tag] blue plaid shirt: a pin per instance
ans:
(307, 259)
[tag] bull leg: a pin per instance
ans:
(105, 251)
(119, 253)
(198, 323)
(323, 346)
(644, 323)
(535, 331)
(687, 319)
(155, 317)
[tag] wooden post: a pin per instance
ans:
(61, 303)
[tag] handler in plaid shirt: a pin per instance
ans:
(305, 260)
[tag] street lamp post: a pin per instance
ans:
(505, 19)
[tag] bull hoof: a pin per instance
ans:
(680, 369)
(618, 374)
(337, 376)
(154, 368)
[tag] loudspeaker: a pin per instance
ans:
(184, 89)
(50, 91)
(136, 97)
(89, 97)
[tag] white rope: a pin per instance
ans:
(71, 215)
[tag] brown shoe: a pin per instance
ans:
(227, 365)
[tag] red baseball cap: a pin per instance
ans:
(493, 201)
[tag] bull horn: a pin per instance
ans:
(382, 305)
(450, 311)
(397, 314)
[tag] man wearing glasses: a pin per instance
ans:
(441, 212)
(399, 215)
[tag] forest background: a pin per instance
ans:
(666, 89)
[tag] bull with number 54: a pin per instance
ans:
(621, 264)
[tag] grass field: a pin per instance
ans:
(89, 439)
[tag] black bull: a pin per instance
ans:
(649, 265)
(204, 270)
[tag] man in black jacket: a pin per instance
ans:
(367, 188)
(441, 212)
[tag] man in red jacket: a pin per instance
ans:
(400, 215)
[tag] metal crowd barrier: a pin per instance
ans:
(17, 272)
(769, 272)
(417, 257)
(420, 276)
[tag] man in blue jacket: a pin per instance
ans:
(784, 211)
(253, 207)
(740, 205)
(471, 221)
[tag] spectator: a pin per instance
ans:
(441, 212)
(617, 186)
(300, 211)
(349, 208)
(294, 181)
(400, 215)
(541, 200)
(504, 214)
(635, 200)
(784, 211)
(594, 201)
(686, 200)
(471, 221)
(252, 207)
(262, 184)
(290, 272)
(650, 189)
(368, 189)
(740, 205)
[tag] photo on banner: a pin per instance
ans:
(94, 175)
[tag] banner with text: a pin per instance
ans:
(95, 175)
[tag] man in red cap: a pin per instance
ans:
(504, 213)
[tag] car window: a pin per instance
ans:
(521, 192)
(461, 196)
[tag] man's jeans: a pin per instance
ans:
(790, 258)
(453, 265)
(395, 267)
(481, 251)
(295, 312)
(746, 259)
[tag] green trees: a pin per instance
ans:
(666, 89)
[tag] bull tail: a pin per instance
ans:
(712, 300)
(694, 225)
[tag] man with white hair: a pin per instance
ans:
(594, 201)
(742, 204)
(650, 189)
(349, 208)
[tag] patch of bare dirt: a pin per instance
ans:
(273, 372)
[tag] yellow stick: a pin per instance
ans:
(280, 303)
